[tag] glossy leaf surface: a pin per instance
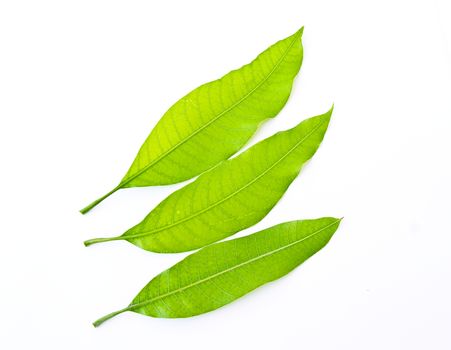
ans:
(235, 195)
(222, 272)
(215, 120)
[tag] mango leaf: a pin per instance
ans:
(222, 272)
(235, 195)
(215, 120)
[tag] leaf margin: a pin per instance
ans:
(132, 307)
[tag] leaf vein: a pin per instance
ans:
(145, 233)
(138, 305)
(170, 150)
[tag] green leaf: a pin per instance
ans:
(236, 194)
(215, 120)
(223, 272)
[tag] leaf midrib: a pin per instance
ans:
(170, 150)
(145, 233)
(178, 290)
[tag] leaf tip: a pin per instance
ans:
(338, 221)
(327, 116)
(335, 220)
(300, 31)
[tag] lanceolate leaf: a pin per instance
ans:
(231, 197)
(215, 120)
(222, 272)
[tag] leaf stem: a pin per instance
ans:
(97, 201)
(100, 240)
(110, 315)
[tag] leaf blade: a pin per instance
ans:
(228, 270)
(222, 114)
(235, 195)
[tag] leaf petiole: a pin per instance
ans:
(110, 315)
(99, 240)
(97, 201)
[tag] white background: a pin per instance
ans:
(83, 82)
